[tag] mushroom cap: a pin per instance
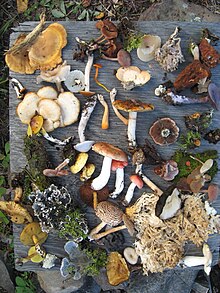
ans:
(79, 163)
(124, 58)
(146, 50)
(50, 125)
(108, 29)
(19, 62)
(45, 53)
(59, 73)
(118, 165)
(164, 131)
(130, 255)
(49, 109)
(47, 92)
(28, 107)
(109, 213)
(167, 170)
(137, 180)
(132, 106)
(36, 123)
(70, 107)
(86, 193)
(108, 150)
(36, 258)
(70, 81)
(132, 74)
(213, 191)
(26, 236)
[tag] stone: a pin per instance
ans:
(178, 10)
(53, 282)
(5, 280)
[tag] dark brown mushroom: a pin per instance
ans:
(209, 56)
(86, 193)
(123, 57)
(164, 131)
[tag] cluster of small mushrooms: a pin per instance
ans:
(159, 222)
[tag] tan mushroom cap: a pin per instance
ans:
(133, 74)
(108, 150)
(49, 125)
(19, 62)
(132, 106)
(27, 108)
(47, 92)
(109, 213)
(146, 50)
(70, 108)
(45, 53)
(49, 109)
(26, 236)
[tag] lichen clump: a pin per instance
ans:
(160, 244)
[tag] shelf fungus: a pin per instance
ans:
(110, 152)
(164, 131)
(132, 107)
(109, 214)
(149, 44)
(194, 73)
(131, 77)
(170, 54)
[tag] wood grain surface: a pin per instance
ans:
(116, 134)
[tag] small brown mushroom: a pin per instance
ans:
(123, 58)
(209, 55)
(167, 170)
(164, 131)
(86, 193)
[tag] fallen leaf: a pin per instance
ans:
(22, 5)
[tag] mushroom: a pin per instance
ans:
(58, 170)
(136, 181)
(32, 233)
(87, 171)
(47, 92)
(132, 107)
(105, 117)
(109, 214)
(18, 87)
(147, 47)
(164, 131)
(35, 254)
(85, 115)
(132, 76)
(170, 55)
(212, 191)
(209, 56)
(130, 255)
(18, 213)
(167, 170)
(193, 73)
(75, 81)
(45, 53)
(214, 95)
(112, 96)
(168, 204)
(79, 163)
(28, 107)
(97, 66)
(206, 260)
(56, 75)
(87, 193)
(109, 152)
(50, 110)
(118, 166)
(123, 58)
(108, 29)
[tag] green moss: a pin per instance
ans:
(133, 41)
(75, 226)
(190, 140)
(186, 164)
(97, 260)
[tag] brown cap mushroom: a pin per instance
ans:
(164, 131)
(31, 230)
(109, 152)
(86, 193)
(167, 170)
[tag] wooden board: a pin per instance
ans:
(116, 134)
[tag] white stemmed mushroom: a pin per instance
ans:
(136, 181)
(75, 81)
(206, 260)
(132, 107)
(109, 152)
(88, 70)
(119, 181)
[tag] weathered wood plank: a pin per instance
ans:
(116, 134)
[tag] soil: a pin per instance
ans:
(116, 10)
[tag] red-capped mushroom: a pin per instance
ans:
(118, 166)
(136, 181)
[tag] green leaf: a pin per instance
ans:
(57, 13)
(2, 180)
(20, 282)
(20, 290)
(2, 191)
(82, 15)
(62, 7)
(2, 156)
(7, 148)
(3, 218)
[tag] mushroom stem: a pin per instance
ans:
(109, 231)
(103, 56)
(195, 51)
(100, 181)
(86, 113)
(18, 87)
(129, 194)
(131, 132)
(147, 181)
(96, 229)
(55, 140)
(105, 117)
(87, 71)
(97, 66)
(113, 94)
(119, 183)
(62, 165)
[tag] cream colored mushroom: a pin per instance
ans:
(27, 108)
(47, 92)
(146, 50)
(70, 107)
(49, 109)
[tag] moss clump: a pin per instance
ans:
(190, 140)
(186, 164)
(133, 41)
(74, 226)
(97, 260)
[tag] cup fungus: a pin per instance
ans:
(164, 131)
(75, 81)
(109, 152)
(132, 107)
(147, 47)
